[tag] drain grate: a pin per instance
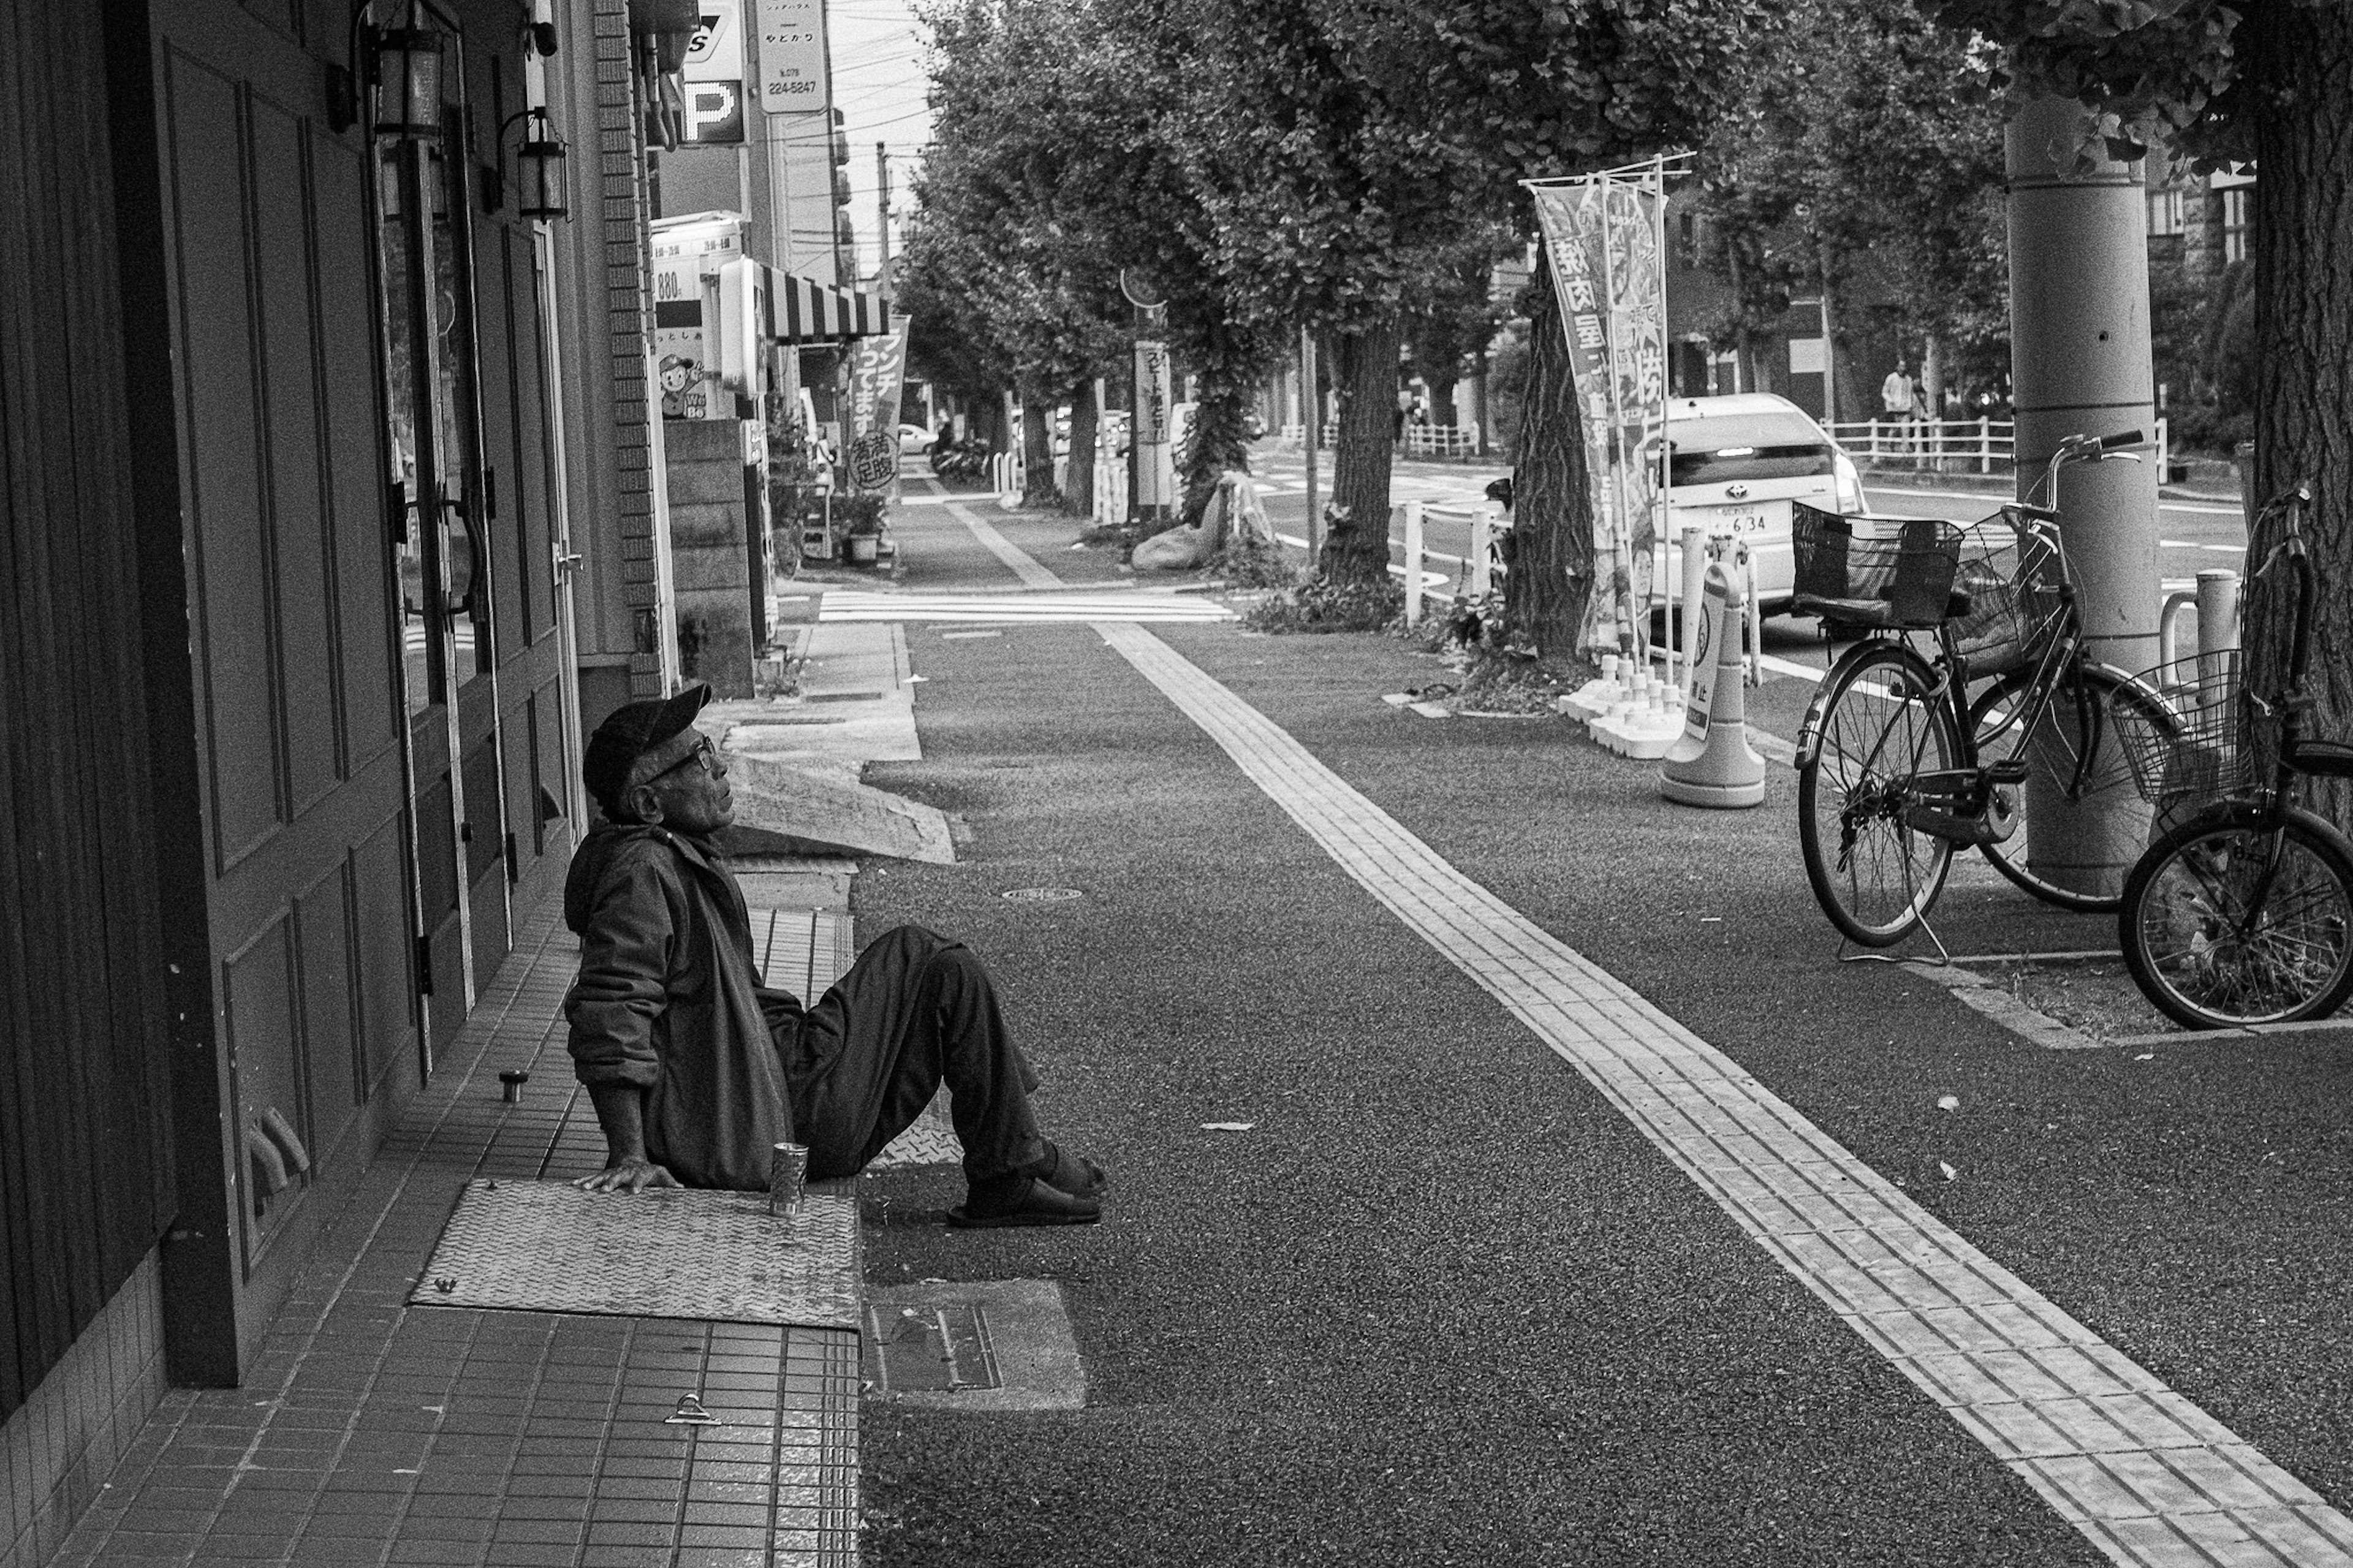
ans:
(942, 1349)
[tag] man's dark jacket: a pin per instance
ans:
(669, 1001)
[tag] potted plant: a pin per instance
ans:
(859, 517)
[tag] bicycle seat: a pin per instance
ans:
(2028, 509)
(2329, 759)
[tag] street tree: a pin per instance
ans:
(1879, 159)
(1331, 201)
(1001, 252)
(2268, 82)
(1530, 89)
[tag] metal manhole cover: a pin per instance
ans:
(943, 1349)
(1040, 895)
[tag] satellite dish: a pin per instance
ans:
(1140, 290)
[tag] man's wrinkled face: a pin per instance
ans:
(693, 795)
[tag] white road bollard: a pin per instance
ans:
(1413, 562)
(1713, 764)
(1483, 529)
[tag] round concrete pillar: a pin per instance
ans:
(2079, 363)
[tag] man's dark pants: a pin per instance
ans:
(916, 1010)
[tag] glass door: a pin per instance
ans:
(441, 506)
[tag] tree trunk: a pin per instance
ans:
(1037, 490)
(1217, 440)
(1551, 541)
(1442, 399)
(1079, 493)
(2301, 60)
(1366, 369)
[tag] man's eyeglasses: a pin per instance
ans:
(704, 756)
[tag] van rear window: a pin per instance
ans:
(1715, 468)
(1761, 446)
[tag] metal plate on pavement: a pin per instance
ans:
(547, 1247)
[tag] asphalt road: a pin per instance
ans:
(1442, 1304)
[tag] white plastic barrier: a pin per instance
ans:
(1441, 440)
(2217, 603)
(1110, 492)
(1005, 479)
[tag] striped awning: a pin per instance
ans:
(802, 310)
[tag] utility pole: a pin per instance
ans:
(882, 215)
(2080, 364)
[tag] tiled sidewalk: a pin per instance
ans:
(373, 1432)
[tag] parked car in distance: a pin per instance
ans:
(1734, 466)
(913, 440)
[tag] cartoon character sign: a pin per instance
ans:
(682, 389)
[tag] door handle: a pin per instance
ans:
(289, 1143)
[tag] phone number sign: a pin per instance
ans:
(791, 42)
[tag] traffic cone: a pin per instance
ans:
(1711, 763)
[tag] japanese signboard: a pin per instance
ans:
(791, 44)
(1602, 233)
(877, 370)
(686, 252)
(1154, 446)
(712, 76)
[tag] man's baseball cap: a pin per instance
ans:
(631, 731)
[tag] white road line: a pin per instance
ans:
(2148, 1477)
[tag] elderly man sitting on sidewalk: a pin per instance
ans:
(697, 1069)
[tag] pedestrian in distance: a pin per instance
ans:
(1895, 396)
(697, 1069)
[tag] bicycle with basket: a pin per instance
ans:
(1906, 757)
(2240, 910)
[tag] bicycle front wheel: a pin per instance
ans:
(2079, 747)
(2231, 918)
(1875, 728)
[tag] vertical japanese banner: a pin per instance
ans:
(877, 372)
(1638, 357)
(1602, 236)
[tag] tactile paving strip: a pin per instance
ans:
(547, 1247)
(2143, 1472)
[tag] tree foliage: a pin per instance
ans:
(1523, 89)
(1879, 161)
(2269, 81)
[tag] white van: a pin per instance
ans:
(1734, 466)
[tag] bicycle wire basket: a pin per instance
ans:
(2209, 737)
(1889, 574)
(2007, 596)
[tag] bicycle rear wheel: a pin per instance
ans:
(2069, 731)
(2232, 919)
(1872, 730)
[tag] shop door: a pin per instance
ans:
(425, 218)
(263, 337)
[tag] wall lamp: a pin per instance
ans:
(539, 167)
(402, 64)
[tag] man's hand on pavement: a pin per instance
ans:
(626, 1176)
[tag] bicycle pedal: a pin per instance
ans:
(2011, 771)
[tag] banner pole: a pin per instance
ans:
(1630, 640)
